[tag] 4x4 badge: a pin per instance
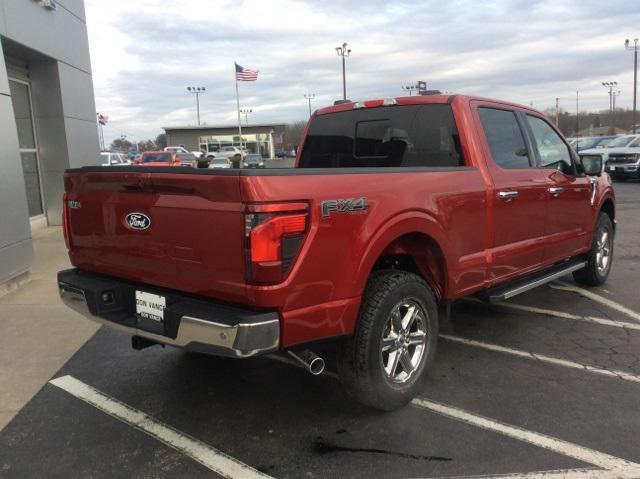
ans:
(349, 205)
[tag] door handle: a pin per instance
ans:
(507, 195)
(556, 190)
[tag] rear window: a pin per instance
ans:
(186, 156)
(401, 136)
(152, 157)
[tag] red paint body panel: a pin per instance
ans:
(197, 240)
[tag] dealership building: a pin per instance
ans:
(264, 139)
(47, 118)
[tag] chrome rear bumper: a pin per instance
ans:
(197, 325)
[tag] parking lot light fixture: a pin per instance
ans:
(198, 90)
(309, 97)
(343, 52)
(409, 88)
(634, 47)
(246, 112)
(610, 85)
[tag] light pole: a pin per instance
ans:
(197, 90)
(343, 52)
(628, 46)
(246, 114)
(610, 85)
(309, 97)
(409, 88)
(614, 94)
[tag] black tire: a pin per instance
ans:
(594, 274)
(361, 358)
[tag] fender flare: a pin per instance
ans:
(392, 229)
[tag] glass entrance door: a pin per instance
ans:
(21, 99)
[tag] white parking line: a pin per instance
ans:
(541, 357)
(596, 297)
(206, 455)
(560, 314)
(558, 474)
(620, 467)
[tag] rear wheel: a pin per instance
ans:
(600, 256)
(383, 365)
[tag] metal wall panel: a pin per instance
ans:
(14, 221)
(77, 93)
(82, 141)
(55, 33)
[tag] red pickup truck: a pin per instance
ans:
(394, 208)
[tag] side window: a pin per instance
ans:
(552, 150)
(505, 138)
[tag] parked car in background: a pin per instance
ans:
(624, 163)
(611, 147)
(187, 159)
(592, 142)
(176, 149)
(253, 160)
(232, 153)
(281, 154)
(159, 158)
(220, 163)
(114, 159)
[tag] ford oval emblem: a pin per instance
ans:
(137, 221)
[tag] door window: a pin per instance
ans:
(505, 138)
(553, 152)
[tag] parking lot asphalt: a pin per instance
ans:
(546, 385)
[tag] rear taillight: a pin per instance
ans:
(274, 234)
(65, 221)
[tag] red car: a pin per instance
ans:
(394, 208)
(158, 158)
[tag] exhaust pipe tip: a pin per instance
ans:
(311, 361)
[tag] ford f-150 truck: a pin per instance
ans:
(395, 208)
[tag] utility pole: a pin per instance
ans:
(343, 52)
(246, 112)
(309, 97)
(197, 90)
(635, 77)
(557, 111)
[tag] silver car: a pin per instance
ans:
(220, 163)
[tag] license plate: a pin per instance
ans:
(150, 306)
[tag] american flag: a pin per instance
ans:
(102, 119)
(245, 74)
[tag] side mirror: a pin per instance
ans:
(591, 165)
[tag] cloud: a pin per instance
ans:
(146, 53)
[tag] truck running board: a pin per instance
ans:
(500, 293)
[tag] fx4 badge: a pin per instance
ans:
(349, 205)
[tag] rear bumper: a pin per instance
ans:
(190, 323)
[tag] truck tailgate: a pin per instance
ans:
(191, 238)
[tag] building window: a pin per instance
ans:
(21, 100)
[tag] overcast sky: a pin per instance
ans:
(145, 53)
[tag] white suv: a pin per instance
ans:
(113, 159)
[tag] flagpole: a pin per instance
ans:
(235, 73)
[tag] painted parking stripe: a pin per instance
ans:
(596, 297)
(213, 459)
(611, 467)
(546, 359)
(560, 314)
(605, 461)
(558, 474)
